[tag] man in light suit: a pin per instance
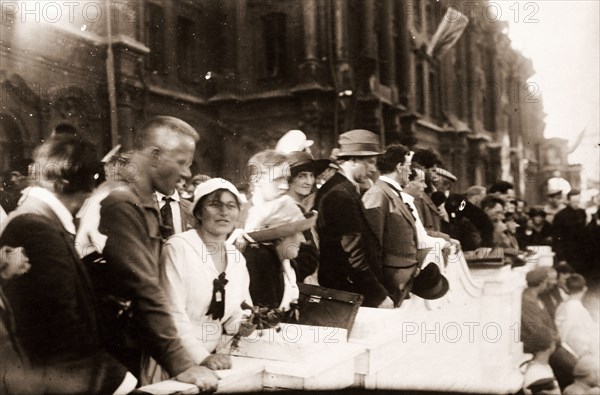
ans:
(392, 221)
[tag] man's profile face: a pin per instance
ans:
(364, 168)
(495, 213)
(404, 170)
(173, 163)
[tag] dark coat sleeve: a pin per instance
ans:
(345, 215)
(134, 271)
(266, 278)
(307, 261)
(55, 316)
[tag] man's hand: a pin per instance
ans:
(205, 379)
(386, 304)
(13, 262)
(217, 362)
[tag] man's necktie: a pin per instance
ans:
(408, 206)
(167, 217)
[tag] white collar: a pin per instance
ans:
(59, 209)
(407, 198)
(160, 196)
(392, 182)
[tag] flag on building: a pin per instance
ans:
(448, 32)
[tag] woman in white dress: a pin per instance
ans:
(205, 278)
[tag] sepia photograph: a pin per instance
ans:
(327, 196)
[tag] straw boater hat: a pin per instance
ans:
(359, 142)
(277, 219)
(443, 173)
(302, 161)
(293, 140)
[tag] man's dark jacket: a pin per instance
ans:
(482, 223)
(130, 274)
(55, 312)
(349, 258)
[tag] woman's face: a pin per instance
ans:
(303, 183)
(219, 214)
(287, 248)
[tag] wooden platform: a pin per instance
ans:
(466, 341)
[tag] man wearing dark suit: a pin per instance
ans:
(350, 258)
(392, 222)
(177, 217)
(51, 298)
(428, 211)
(569, 233)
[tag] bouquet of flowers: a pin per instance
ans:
(263, 318)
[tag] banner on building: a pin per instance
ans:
(448, 32)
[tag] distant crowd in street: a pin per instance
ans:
(111, 279)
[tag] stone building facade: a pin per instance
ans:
(243, 72)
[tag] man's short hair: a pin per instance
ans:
(263, 161)
(564, 268)
(490, 201)
(537, 276)
(427, 158)
(475, 190)
(66, 163)
(573, 192)
(501, 187)
(575, 283)
(145, 134)
(393, 155)
(414, 169)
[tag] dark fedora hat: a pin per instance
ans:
(302, 161)
(430, 283)
(359, 142)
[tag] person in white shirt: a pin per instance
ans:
(574, 322)
(416, 187)
(205, 278)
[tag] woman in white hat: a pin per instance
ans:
(205, 278)
(275, 235)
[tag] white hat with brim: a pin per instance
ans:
(277, 219)
(284, 230)
(293, 140)
(214, 184)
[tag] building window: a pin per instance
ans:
(186, 48)
(435, 111)
(433, 11)
(490, 91)
(155, 38)
(420, 87)
(275, 44)
(417, 14)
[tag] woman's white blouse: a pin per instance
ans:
(187, 274)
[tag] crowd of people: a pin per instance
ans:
(108, 286)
